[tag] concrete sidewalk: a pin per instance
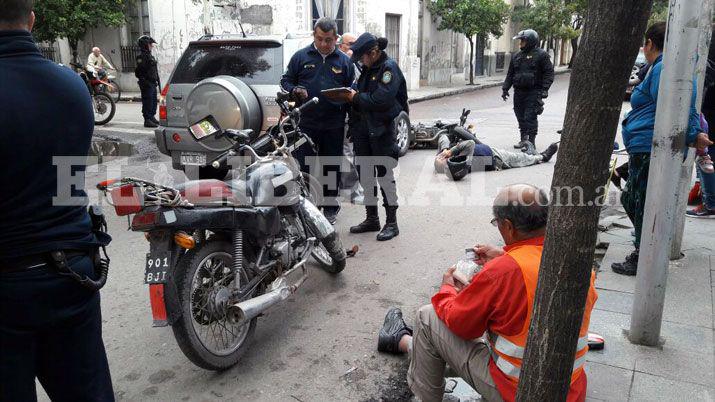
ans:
(680, 370)
(418, 95)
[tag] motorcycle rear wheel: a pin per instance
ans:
(196, 324)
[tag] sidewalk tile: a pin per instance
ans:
(607, 279)
(614, 301)
(688, 296)
(696, 367)
(653, 388)
(608, 383)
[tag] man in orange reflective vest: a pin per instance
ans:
(480, 329)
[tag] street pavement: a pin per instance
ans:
(320, 345)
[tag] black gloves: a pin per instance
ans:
(505, 94)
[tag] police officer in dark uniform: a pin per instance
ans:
(531, 73)
(312, 69)
(147, 73)
(50, 324)
(381, 95)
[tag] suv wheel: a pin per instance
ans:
(403, 132)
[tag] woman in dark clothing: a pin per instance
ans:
(380, 97)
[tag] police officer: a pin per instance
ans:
(50, 324)
(381, 95)
(147, 73)
(531, 73)
(312, 69)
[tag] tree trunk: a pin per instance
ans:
(471, 60)
(609, 44)
(574, 42)
(73, 47)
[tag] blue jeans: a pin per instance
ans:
(707, 186)
(51, 328)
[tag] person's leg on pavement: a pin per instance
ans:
(365, 165)
(633, 201)
(433, 346)
(706, 208)
(146, 102)
(154, 102)
(516, 159)
(330, 152)
(386, 163)
(531, 121)
(519, 109)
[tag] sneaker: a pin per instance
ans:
(694, 196)
(392, 331)
(706, 164)
(701, 212)
(628, 267)
(520, 144)
(549, 152)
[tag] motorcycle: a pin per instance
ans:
(104, 106)
(222, 253)
(426, 135)
(106, 83)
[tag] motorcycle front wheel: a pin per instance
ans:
(104, 108)
(204, 276)
(330, 254)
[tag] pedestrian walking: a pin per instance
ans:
(50, 324)
(147, 73)
(531, 73)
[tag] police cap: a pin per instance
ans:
(363, 44)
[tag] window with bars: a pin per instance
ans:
(138, 16)
(329, 8)
(392, 33)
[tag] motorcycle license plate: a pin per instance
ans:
(157, 267)
(193, 158)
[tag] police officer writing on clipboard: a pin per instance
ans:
(531, 73)
(312, 69)
(381, 95)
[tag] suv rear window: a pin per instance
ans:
(252, 62)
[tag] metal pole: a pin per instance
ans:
(671, 124)
(686, 171)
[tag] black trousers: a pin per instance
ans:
(51, 328)
(149, 102)
(376, 159)
(324, 164)
(526, 109)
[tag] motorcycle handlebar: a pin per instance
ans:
(222, 159)
(307, 105)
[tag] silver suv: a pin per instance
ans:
(232, 78)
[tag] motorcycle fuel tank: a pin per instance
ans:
(273, 183)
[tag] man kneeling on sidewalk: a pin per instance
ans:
(480, 329)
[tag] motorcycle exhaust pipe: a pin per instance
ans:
(245, 311)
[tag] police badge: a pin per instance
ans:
(386, 77)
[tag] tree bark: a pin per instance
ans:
(574, 42)
(610, 42)
(471, 60)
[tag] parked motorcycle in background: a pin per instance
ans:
(104, 106)
(222, 252)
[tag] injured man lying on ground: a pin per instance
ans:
(457, 156)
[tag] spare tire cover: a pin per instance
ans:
(230, 101)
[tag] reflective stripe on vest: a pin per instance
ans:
(506, 347)
(512, 371)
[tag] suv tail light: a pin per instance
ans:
(162, 102)
(127, 199)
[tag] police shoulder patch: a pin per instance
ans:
(386, 77)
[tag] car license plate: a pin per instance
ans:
(157, 267)
(193, 158)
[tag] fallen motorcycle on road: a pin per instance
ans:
(221, 253)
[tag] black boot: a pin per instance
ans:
(521, 143)
(629, 266)
(392, 331)
(390, 229)
(150, 124)
(549, 152)
(371, 222)
(532, 138)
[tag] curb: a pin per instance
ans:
(467, 89)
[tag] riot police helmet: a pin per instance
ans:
(144, 41)
(458, 167)
(530, 36)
